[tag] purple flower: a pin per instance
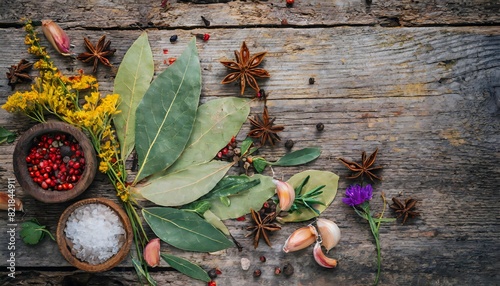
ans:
(356, 195)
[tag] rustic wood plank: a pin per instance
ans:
(426, 97)
(148, 13)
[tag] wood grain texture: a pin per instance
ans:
(427, 97)
(149, 14)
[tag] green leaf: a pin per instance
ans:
(242, 202)
(131, 83)
(225, 201)
(217, 121)
(317, 178)
(185, 230)
(166, 114)
(199, 207)
(184, 186)
(245, 145)
(32, 232)
(186, 267)
(259, 164)
(216, 221)
(298, 157)
(6, 136)
(231, 185)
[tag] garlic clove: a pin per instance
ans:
(286, 194)
(322, 259)
(10, 202)
(300, 239)
(330, 233)
(57, 37)
(152, 252)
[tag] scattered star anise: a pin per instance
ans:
(264, 128)
(261, 227)
(404, 210)
(365, 168)
(245, 68)
(19, 73)
(98, 53)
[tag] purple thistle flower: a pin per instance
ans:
(356, 195)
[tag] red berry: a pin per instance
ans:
(206, 37)
(241, 218)
(44, 185)
(212, 283)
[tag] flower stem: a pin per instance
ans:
(374, 229)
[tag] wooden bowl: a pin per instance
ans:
(64, 243)
(22, 150)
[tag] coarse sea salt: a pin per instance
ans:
(96, 232)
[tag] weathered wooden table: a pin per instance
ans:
(420, 80)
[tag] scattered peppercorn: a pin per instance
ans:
(241, 218)
(257, 273)
(262, 258)
(211, 283)
(205, 21)
(206, 37)
(277, 270)
(284, 22)
(261, 94)
(171, 61)
(173, 39)
(289, 144)
(320, 126)
(288, 269)
(289, 3)
(311, 80)
(212, 273)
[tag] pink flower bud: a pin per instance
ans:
(152, 252)
(56, 36)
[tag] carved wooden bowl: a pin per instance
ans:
(22, 149)
(65, 244)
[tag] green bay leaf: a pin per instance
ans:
(131, 83)
(317, 178)
(186, 267)
(185, 230)
(242, 202)
(184, 186)
(298, 157)
(217, 121)
(166, 114)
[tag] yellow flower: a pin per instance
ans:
(103, 167)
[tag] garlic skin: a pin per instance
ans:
(330, 233)
(7, 203)
(152, 252)
(286, 194)
(57, 37)
(300, 239)
(321, 258)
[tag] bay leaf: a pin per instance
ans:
(242, 202)
(186, 267)
(298, 157)
(317, 178)
(131, 83)
(185, 230)
(217, 121)
(231, 185)
(184, 186)
(216, 221)
(166, 114)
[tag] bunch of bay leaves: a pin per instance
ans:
(176, 139)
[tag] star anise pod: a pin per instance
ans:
(245, 68)
(264, 128)
(19, 73)
(262, 226)
(404, 210)
(98, 53)
(365, 168)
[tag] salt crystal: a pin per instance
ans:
(245, 263)
(96, 232)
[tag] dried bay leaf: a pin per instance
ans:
(217, 121)
(298, 157)
(242, 202)
(166, 114)
(185, 230)
(131, 83)
(317, 178)
(186, 267)
(184, 186)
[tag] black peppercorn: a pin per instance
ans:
(320, 126)
(311, 80)
(262, 258)
(289, 144)
(288, 269)
(257, 273)
(277, 270)
(173, 39)
(212, 273)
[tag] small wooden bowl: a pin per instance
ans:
(64, 243)
(21, 172)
